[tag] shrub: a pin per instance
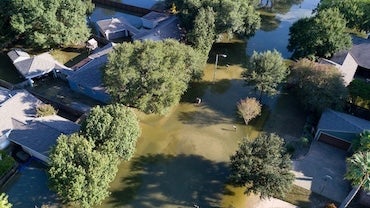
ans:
(45, 110)
(304, 141)
(6, 162)
(290, 148)
(249, 108)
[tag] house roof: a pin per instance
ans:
(30, 67)
(59, 123)
(340, 122)
(116, 24)
(360, 51)
(168, 28)
(40, 136)
(21, 106)
(155, 16)
(4, 94)
(90, 74)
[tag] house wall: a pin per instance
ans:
(97, 95)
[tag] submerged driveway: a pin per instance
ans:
(322, 171)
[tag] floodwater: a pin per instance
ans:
(274, 33)
(182, 158)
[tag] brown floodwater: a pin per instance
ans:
(182, 158)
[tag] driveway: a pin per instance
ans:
(322, 171)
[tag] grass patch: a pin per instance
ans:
(7, 162)
(70, 56)
(305, 198)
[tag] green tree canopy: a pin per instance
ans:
(47, 23)
(358, 172)
(232, 16)
(266, 71)
(319, 86)
(151, 76)
(321, 35)
(78, 173)
(356, 12)
(4, 203)
(262, 166)
(359, 89)
(203, 35)
(362, 143)
(113, 126)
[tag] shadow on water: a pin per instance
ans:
(158, 180)
(234, 49)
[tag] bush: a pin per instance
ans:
(6, 162)
(304, 141)
(290, 148)
(45, 110)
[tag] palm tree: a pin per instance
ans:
(358, 172)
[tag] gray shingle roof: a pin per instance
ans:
(38, 136)
(30, 67)
(168, 28)
(21, 106)
(336, 121)
(90, 75)
(116, 24)
(361, 52)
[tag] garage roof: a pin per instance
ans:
(341, 122)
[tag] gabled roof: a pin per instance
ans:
(90, 74)
(336, 121)
(360, 51)
(39, 136)
(168, 28)
(116, 24)
(21, 106)
(30, 67)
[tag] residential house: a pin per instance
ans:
(20, 125)
(154, 26)
(35, 66)
(355, 60)
(339, 129)
(88, 76)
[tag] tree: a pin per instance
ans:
(356, 12)
(113, 126)
(359, 89)
(358, 172)
(4, 203)
(249, 108)
(48, 23)
(267, 71)
(232, 16)
(151, 76)
(78, 173)
(362, 143)
(203, 34)
(262, 166)
(321, 35)
(319, 86)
